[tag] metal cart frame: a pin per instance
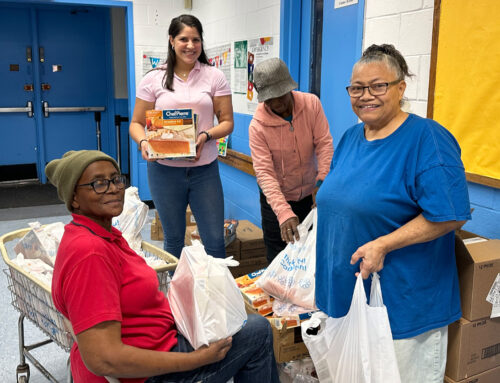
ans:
(33, 300)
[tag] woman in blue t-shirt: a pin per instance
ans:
(395, 194)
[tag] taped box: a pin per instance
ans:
(473, 347)
(252, 240)
(489, 376)
(288, 343)
(478, 263)
(250, 235)
(157, 229)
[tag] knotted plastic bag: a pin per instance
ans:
(355, 348)
(206, 303)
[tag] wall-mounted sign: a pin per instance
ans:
(344, 3)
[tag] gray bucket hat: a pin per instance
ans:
(272, 79)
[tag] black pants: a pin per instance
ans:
(271, 227)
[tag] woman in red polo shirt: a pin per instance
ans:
(123, 324)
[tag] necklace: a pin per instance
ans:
(183, 75)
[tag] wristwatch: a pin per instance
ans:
(209, 136)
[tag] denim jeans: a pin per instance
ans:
(270, 225)
(249, 360)
(173, 188)
(422, 358)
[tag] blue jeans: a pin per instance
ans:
(173, 188)
(249, 360)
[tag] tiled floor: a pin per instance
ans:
(51, 356)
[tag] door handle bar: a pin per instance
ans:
(65, 109)
(26, 109)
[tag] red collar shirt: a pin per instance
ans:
(98, 278)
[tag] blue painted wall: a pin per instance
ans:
(241, 192)
(486, 215)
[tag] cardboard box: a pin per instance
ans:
(287, 342)
(253, 253)
(478, 265)
(464, 234)
(156, 230)
(251, 236)
(248, 265)
(473, 347)
(188, 236)
(489, 376)
(171, 133)
(234, 249)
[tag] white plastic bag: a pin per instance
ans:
(290, 276)
(132, 219)
(41, 242)
(355, 348)
(206, 303)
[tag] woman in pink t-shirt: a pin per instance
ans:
(187, 81)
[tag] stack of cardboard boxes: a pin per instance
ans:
(157, 229)
(252, 251)
(474, 340)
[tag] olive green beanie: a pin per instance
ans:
(65, 172)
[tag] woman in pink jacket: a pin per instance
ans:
(291, 149)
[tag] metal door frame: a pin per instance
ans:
(129, 25)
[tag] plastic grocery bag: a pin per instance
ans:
(132, 219)
(355, 348)
(290, 276)
(205, 300)
(41, 242)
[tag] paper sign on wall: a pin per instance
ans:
(151, 60)
(344, 3)
(220, 57)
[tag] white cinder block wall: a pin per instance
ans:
(223, 21)
(407, 24)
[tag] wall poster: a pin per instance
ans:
(151, 59)
(258, 50)
(220, 57)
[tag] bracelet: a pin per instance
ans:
(209, 136)
(140, 142)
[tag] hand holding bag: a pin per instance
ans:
(206, 303)
(355, 348)
(291, 275)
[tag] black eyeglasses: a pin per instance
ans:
(378, 89)
(101, 186)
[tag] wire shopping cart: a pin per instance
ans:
(33, 300)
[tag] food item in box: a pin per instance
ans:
(248, 279)
(255, 296)
(289, 321)
(265, 309)
(171, 133)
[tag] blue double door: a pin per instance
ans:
(55, 73)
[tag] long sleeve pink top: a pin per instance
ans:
(290, 157)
